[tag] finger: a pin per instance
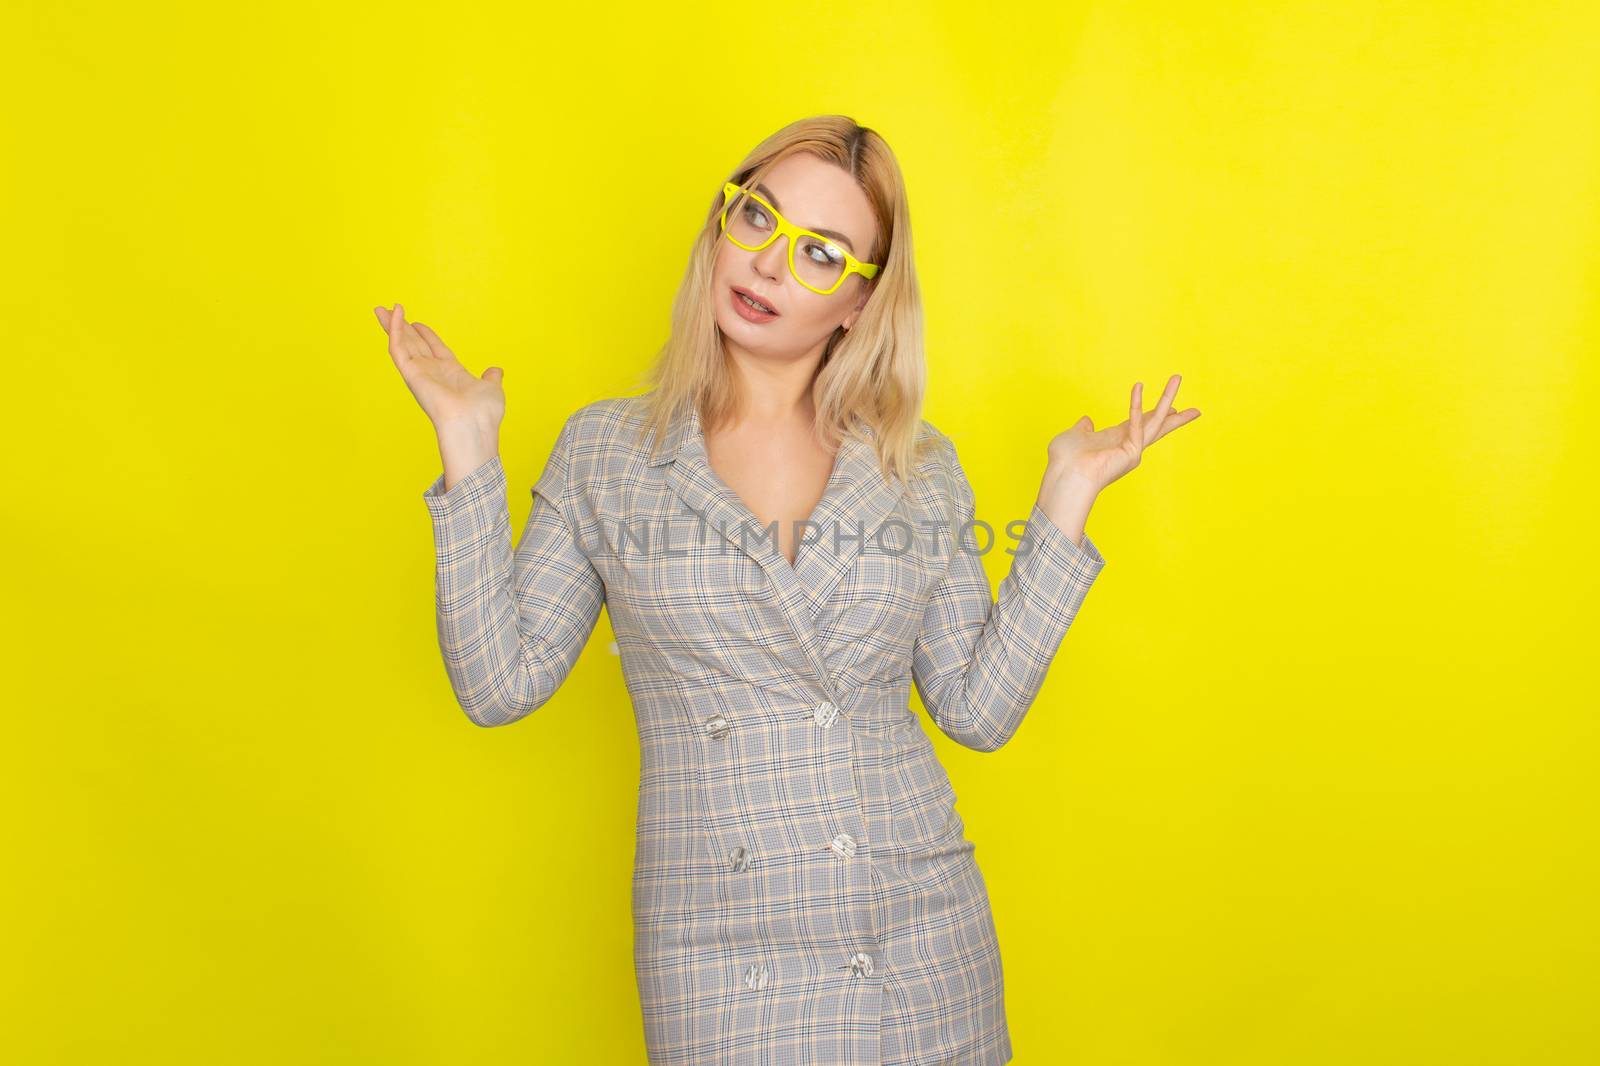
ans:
(383, 317)
(415, 346)
(397, 341)
(1165, 404)
(426, 349)
(1173, 421)
(398, 354)
(436, 347)
(1136, 415)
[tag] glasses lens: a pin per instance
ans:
(750, 223)
(818, 262)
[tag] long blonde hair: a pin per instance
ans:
(874, 372)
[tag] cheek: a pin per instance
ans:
(811, 313)
(807, 316)
(719, 268)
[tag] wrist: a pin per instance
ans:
(468, 434)
(1065, 483)
(1065, 498)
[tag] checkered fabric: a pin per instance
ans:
(803, 889)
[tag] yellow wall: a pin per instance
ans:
(1313, 779)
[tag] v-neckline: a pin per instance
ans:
(857, 493)
(828, 490)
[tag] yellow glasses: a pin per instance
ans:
(815, 261)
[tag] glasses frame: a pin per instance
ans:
(784, 228)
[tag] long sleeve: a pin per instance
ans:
(978, 663)
(511, 624)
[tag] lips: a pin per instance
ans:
(756, 296)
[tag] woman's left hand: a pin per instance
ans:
(1084, 460)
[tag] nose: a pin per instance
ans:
(773, 260)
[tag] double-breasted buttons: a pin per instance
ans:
(755, 976)
(717, 726)
(843, 845)
(740, 859)
(824, 714)
(860, 964)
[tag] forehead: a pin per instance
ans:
(817, 195)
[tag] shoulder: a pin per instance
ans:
(946, 475)
(928, 431)
(936, 450)
(608, 418)
(597, 445)
(612, 424)
(605, 438)
(940, 482)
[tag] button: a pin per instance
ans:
(825, 713)
(755, 976)
(860, 964)
(717, 726)
(844, 845)
(740, 858)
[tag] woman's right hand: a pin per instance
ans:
(449, 393)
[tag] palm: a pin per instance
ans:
(1099, 457)
(445, 389)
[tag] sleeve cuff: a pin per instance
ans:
(474, 509)
(1053, 572)
(475, 485)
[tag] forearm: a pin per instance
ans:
(464, 446)
(1065, 498)
(981, 661)
(511, 622)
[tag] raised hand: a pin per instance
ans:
(1084, 460)
(449, 393)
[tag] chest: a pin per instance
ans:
(780, 482)
(699, 592)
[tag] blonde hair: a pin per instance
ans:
(874, 372)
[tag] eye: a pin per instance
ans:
(824, 252)
(756, 215)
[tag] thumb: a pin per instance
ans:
(1084, 423)
(493, 374)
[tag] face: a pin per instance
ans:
(814, 195)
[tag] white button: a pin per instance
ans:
(741, 858)
(825, 713)
(755, 976)
(844, 844)
(717, 726)
(861, 964)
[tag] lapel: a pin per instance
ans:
(855, 502)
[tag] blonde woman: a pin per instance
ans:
(785, 547)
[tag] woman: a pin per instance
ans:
(781, 541)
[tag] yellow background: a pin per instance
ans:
(1312, 780)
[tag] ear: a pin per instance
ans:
(855, 312)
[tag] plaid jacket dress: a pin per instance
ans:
(803, 891)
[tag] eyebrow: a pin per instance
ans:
(831, 234)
